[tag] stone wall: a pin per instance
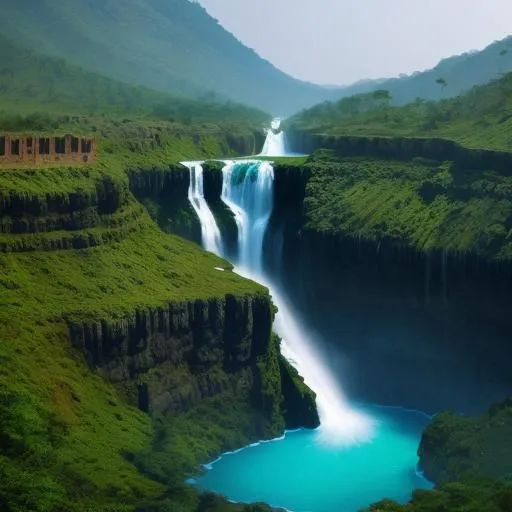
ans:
(29, 149)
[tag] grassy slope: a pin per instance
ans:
(481, 118)
(32, 82)
(427, 205)
(67, 430)
(66, 436)
(169, 45)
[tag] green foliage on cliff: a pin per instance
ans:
(420, 203)
(471, 460)
(69, 441)
(474, 495)
(480, 118)
(65, 433)
(453, 446)
(167, 45)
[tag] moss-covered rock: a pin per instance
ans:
(453, 447)
(469, 458)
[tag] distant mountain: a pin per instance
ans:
(167, 45)
(31, 82)
(480, 118)
(451, 77)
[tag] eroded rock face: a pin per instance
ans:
(168, 360)
(403, 148)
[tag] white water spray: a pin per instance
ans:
(275, 142)
(210, 233)
(248, 192)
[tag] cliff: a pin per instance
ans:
(455, 447)
(169, 359)
(123, 348)
(469, 460)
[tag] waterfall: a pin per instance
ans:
(210, 233)
(275, 142)
(251, 210)
(248, 192)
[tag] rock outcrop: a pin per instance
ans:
(169, 359)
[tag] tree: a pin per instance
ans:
(502, 54)
(442, 82)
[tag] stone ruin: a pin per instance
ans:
(46, 150)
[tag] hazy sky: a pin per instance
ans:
(341, 41)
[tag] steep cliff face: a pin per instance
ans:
(172, 357)
(394, 298)
(169, 359)
(135, 354)
(403, 148)
(164, 192)
(383, 282)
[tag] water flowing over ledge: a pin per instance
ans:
(247, 191)
(210, 233)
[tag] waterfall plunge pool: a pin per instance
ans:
(302, 473)
(357, 456)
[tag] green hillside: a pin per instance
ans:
(480, 118)
(451, 77)
(169, 45)
(32, 82)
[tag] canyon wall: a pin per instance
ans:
(421, 327)
(403, 148)
(389, 313)
(169, 359)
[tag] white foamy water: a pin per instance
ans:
(275, 142)
(248, 192)
(210, 233)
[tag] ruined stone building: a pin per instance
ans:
(46, 150)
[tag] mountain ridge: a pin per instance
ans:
(460, 72)
(171, 46)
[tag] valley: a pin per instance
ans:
(205, 308)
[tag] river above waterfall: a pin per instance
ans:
(302, 474)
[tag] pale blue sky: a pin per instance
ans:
(341, 41)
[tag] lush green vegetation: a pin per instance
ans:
(33, 88)
(451, 77)
(454, 447)
(481, 118)
(421, 203)
(69, 441)
(167, 45)
(470, 458)
(473, 495)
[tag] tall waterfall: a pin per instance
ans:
(210, 233)
(275, 142)
(251, 210)
(248, 192)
